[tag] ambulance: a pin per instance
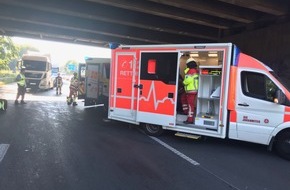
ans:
(94, 77)
(238, 97)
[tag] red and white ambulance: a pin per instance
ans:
(238, 98)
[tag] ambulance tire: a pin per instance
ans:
(152, 130)
(283, 145)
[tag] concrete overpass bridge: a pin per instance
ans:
(98, 22)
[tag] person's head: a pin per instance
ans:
(191, 63)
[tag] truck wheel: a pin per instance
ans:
(283, 145)
(152, 130)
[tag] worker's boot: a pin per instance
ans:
(68, 100)
(189, 121)
(190, 118)
(74, 99)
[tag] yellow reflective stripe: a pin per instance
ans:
(195, 82)
(22, 80)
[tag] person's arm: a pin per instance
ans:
(187, 80)
(18, 78)
(195, 81)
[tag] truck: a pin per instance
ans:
(239, 97)
(94, 77)
(38, 71)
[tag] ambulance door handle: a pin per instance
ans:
(244, 104)
(138, 86)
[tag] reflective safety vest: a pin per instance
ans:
(21, 79)
(190, 80)
(74, 83)
(58, 80)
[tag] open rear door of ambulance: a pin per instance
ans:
(94, 82)
(157, 88)
(82, 77)
(123, 95)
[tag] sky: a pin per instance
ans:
(63, 52)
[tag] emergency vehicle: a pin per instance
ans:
(94, 77)
(238, 98)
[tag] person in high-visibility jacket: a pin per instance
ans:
(21, 83)
(190, 83)
(58, 83)
(73, 90)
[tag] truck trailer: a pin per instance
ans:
(238, 97)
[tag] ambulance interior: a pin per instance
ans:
(208, 97)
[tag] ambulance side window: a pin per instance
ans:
(107, 70)
(166, 65)
(258, 86)
(82, 72)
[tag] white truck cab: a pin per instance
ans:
(38, 71)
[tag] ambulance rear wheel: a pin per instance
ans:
(283, 145)
(152, 130)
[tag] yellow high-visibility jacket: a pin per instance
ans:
(21, 80)
(190, 80)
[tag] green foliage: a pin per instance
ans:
(8, 52)
(7, 76)
(71, 62)
(23, 49)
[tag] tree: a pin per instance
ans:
(8, 52)
(22, 49)
(71, 66)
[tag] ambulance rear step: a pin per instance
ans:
(186, 135)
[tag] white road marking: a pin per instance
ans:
(98, 105)
(193, 162)
(3, 150)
